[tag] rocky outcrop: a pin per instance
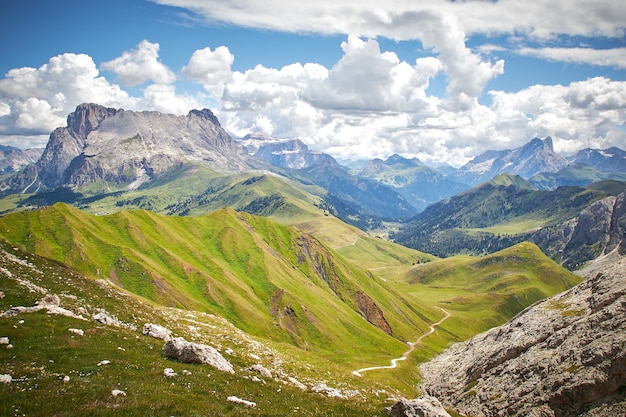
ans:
(598, 230)
(425, 406)
(129, 148)
(372, 312)
(565, 356)
(188, 352)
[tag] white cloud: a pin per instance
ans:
(399, 19)
(210, 68)
(37, 100)
(615, 57)
(163, 98)
(140, 65)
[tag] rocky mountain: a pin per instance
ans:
(603, 160)
(598, 230)
(534, 157)
(564, 356)
(124, 149)
(417, 182)
(13, 159)
(293, 153)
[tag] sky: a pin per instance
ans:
(440, 80)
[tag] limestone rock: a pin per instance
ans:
(425, 406)
(129, 148)
(558, 357)
(156, 331)
(188, 352)
(238, 400)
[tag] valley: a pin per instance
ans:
(304, 275)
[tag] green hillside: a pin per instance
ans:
(58, 372)
(492, 216)
(266, 278)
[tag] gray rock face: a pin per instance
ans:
(425, 406)
(188, 352)
(598, 230)
(293, 153)
(564, 356)
(129, 148)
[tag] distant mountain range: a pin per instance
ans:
(571, 224)
(106, 158)
(14, 159)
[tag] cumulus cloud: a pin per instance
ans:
(34, 101)
(140, 65)
(210, 68)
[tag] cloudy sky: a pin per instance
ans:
(440, 80)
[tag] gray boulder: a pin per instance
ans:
(156, 331)
(425, 406)
(188, 352)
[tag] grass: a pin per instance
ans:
(290, 290)
(44, 353)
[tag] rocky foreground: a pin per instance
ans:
(564, 356)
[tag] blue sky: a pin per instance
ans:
(439, 80)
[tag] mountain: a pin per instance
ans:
(104, 148)
(359, 201)
(534, 157)
(13, 159)
(603, 160)
(564, 356)
(293, 154)
(497, 214)
(598, 230)
(418, 183)
(577, 173)
(107, 154)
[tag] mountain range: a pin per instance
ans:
(139, 234)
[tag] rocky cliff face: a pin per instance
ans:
(565, 356)
(598, 230)
(129, 148)
(293, 154)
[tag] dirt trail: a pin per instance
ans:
(394, 362)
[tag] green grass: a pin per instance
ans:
(44, 352)
(293, 291)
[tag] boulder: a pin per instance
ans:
(425, 406)
(188, 352)
(156, 331)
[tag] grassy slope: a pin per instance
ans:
(274, 282)
(44, 352)
(266, 278)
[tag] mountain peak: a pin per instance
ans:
(205, 114)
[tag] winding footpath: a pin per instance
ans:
(394, 362)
